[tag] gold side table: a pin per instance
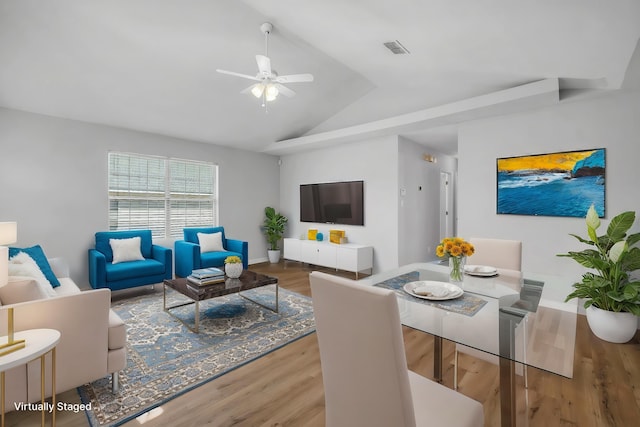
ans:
(38, 343)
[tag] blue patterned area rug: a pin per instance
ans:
(165, 359)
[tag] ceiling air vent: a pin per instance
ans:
(396, 47)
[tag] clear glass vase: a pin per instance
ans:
(456, 268)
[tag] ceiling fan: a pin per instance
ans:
(269, 83)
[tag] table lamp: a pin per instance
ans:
(8, 235)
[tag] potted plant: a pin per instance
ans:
(273, 229)
(233, 266)
(612, 296)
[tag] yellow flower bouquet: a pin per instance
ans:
(454, 246)
(456, 250)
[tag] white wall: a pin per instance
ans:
(611, 121)
(374, 161)
(419, 207)
(53, 182)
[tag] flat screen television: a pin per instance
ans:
(333, 203)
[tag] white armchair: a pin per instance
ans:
(93, 338)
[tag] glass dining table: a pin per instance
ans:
(519, 317)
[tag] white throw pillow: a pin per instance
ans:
(210, 242)
(23, 265)
(126, 249)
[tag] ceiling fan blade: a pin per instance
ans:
(248, 89)
(294, 78)
(244, 76)
(285, 90)
(264, 65)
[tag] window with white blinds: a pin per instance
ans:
(161, 194)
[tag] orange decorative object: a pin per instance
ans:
(336, 236)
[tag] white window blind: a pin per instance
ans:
(161, 194)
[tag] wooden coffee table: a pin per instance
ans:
(248, 280)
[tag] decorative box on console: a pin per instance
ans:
(336, 236)
(312, 233)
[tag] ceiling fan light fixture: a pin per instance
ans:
(268, 83)
(271, 92)
(257, 90)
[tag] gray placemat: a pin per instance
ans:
(467, 304)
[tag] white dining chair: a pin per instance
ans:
(505, 255)
(364, 367)
(498, 253)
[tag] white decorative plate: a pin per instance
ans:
(431, 290)
(480, 270)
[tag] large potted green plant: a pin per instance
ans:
(273, 228)
(612, 296)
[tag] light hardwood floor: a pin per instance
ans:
(284, 388)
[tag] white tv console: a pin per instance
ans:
(346, 256)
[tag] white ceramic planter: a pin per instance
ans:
(233, 270)
(274, 256)
(610, 326)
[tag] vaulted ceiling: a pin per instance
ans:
(150, 65)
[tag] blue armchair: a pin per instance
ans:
(155, 266)
(189, 257)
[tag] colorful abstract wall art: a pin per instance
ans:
(554, 184)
